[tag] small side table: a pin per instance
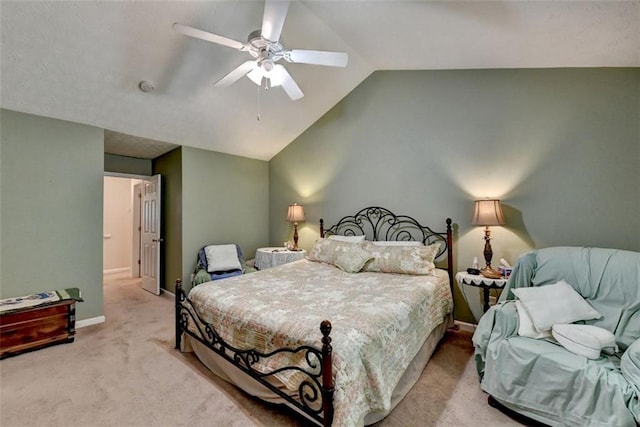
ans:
(480, 281)
(272, 257)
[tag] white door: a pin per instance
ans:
(151, 239)
(136, 231)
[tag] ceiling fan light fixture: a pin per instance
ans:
(265, 48)
(256, 76)
(276, 76)
(266, 65)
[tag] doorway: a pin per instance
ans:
(131, 228)
(121, 226)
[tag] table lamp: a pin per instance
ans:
(488, 212)
(295, 213)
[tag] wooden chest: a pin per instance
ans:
(37, 327)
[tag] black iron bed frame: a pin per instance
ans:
(315, 394)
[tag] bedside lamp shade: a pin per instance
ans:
(295, 213)
(488, 212)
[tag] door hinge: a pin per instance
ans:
(138, 262)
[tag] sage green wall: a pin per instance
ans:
(210, 198)
(51, 208)
(225, 200)
(560, 147)
(169, 166)
(128, 165)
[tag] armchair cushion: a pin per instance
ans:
(222, 258)
(556, 303)
(525, 324)
(585, 340)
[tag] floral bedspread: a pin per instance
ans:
(379, 320)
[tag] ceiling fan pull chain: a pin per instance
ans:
(259, 102)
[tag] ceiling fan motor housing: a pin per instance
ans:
(264, 50)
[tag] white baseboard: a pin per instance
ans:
(90, 322)
(116, 270)
(464, 326)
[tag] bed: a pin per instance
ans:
(339, 348)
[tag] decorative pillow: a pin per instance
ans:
(584, 340)
(397, 243)
(222, 258)
(630, 363)
(350, 239)
(525, 325)
(353, 259)
(327, 250)
(401, 259)
(557, 303)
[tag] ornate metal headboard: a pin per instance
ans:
(377, 223)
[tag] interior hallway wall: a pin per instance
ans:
(118, 227)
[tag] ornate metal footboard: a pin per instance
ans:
(315, 393)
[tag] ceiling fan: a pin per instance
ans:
(264, 46)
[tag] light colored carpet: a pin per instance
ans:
(125, 372)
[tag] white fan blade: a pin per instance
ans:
(237, 74)
(317, 57)
(210, 37)
(275, 12)
(290, 86)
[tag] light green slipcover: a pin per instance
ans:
(541, 379)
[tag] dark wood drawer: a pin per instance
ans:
(37, 327)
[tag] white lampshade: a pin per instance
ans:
(488, 212)
(295, 213)
(275, 76)
(256, 75)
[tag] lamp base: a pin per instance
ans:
(295, 236)
(490, 273)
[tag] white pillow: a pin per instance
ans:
(557, 303)
(348, 239)
(585, 340)
(525, 325)
(222, 258)
(401, 259)
(397, 243)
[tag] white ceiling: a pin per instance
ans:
(82, 60)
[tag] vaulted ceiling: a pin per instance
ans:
(82, 61)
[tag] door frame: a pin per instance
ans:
(130, 176)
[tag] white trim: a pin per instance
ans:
(90, 322)
(116, 270)
(127, 175)
(464, 326)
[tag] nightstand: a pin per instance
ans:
(480, 281)
(272, 257)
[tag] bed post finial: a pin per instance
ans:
(178, 305)
(327, 373)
